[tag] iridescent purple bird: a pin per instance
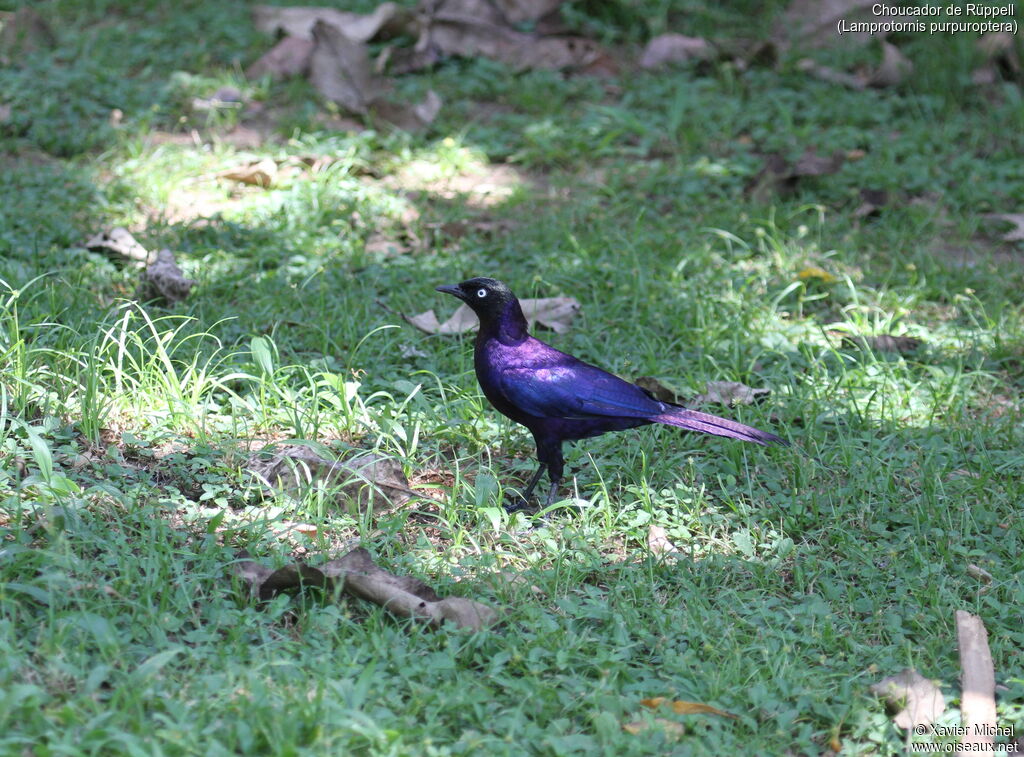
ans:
(559, 397)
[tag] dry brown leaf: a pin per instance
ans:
(658, 541)
(670, 727)
(471, 28)
(675, 48)
(366, 480)
(519, 11)
(813, 23)
(976, 571)
(163, 280)
(904, 345)
(388, 19)
(1003, 59)
(681, 707)
(341, 71)
(977, 681)
(556, 313)
(780, 176)
(119, 241)
(918, 700)
(405, 596)
(893, 70)
(409, 117)
(258, 173)
(1016, 234)
(730, 393)
(871, 201)
(658, 390)
(289, 57)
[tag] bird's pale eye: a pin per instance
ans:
(481, 292)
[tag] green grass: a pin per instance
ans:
(804, 576)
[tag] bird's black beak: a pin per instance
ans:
(453, 290)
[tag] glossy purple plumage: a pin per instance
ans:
(559, 397)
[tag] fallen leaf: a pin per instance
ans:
(893, 70)
(659, 391)
(6, 111)
(680, 707)
(388, 19)
(1016, 234)
(163, 280)
(472, 28)
(904, 345)
(831, 75)
(382, 244)
(556, 313)
(675, 48)
(730, 393)
(341, 71)
(781, 176)
(1002, 59)
(813, 23)
(918, 700)
(976, 571)
(405, 596)
(871, 201)
(259, 173)
(120, 242)
(366, 480)
(520, 11)
(658, 542)
(670, 727)
(289, 57)
(813, 272)
(977, 681)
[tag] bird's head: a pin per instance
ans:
(488, 298)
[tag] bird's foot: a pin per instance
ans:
(517, 503)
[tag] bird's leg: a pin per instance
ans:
(533, 482)
(555, 464)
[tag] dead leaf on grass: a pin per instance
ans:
(659, 391)
(289, 57)
(341, 70)
(471, 28)
(680, 707)
(367, 479)
(904, 345)
(258, 173)
(730, 393)
(387, 20)
(918, 700)
(871, 201)
(120, 242)
(977, 681)
(675, 48)
(555, 313)
(358, 575)
(781, 176)
(1002, 59)
(163, 280)
(813, 23)
(891, 71)
(979, 573)
(659, 543)
(1016, 234)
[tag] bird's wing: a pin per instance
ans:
(574, 390)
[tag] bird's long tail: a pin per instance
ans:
(692, 420)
